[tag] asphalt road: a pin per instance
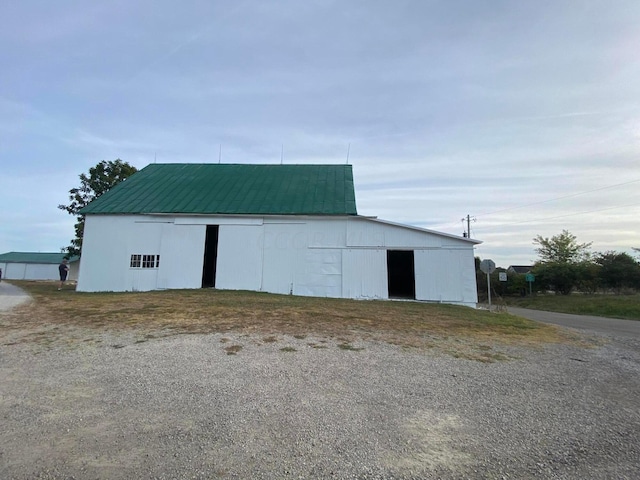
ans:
(601, 325)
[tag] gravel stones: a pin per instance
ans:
(182, 407)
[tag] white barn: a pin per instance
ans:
(289, 229)
(35, 266)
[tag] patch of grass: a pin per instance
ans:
(288, 349)
(348, 346)
(601, 305)
(254, 314)
(233, 349)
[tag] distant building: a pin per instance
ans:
(289, 229)
(35, 266)
(520, 269)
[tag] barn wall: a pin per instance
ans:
(108, 243)
(446, 275)
(284, 246)
(29, 271)
(444, 266)
(39, 271)
(364, 273)
(328, 257)
(303, 256)
(74, 269)
(181, 256)
(239, 265)
(15, 271)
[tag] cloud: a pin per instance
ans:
(508, 112)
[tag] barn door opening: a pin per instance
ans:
(210, 257)
(401, 274)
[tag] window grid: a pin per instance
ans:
(144, 261)
(135, 261)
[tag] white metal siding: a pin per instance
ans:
(283, 247)
(109, 241)
(320, 273)
(327, 233)
(15, 271)
(39, 271)
(29, 271)
(365, 234)
(364, 273)
(181, 256)
(441, 276)
(334, 257)
(468, 278)
(239, 265)
(73, 271)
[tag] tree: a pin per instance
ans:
(562, 248)
(104, 176)
(562, 260)
(559, 277)
(618, 270)
(588, 277)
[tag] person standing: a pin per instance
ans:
(63, 268)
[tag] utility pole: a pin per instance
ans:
(468, 219)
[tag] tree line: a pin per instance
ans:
(565, 266)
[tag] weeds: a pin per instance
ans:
(233, 349)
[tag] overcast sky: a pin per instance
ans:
(522, 114)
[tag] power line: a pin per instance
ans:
(558, 198)
(564, 216)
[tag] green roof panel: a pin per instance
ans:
(240, 189)
(34, 257)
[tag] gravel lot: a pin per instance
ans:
(183, 407)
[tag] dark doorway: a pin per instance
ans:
(210, 257)
(401, 274)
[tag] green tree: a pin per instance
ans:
(101, 178)
(588, 277)
(559, 277)
(618, 270)
(561, 248)
(562, 260)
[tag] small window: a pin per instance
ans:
(144, 261)
(135, 261)
(148, 261)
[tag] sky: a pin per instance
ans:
(524, 115)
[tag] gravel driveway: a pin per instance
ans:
(182, 407)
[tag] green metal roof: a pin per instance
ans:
(232, 189)
(34, 257)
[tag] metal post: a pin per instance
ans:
(489, 290)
